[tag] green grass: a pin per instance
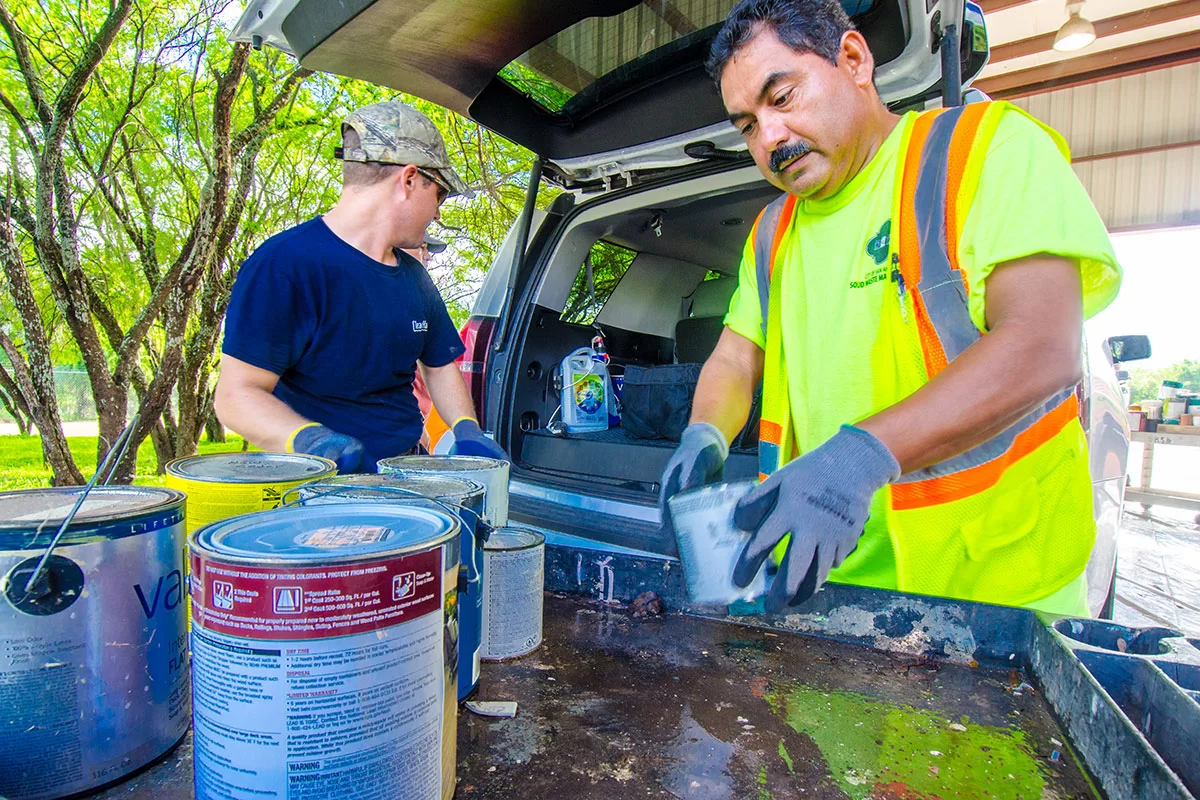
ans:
(22, 466)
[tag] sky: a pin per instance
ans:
(1160, 295)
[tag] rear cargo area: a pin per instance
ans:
(654, 281)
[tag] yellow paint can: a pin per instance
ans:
(224, 485)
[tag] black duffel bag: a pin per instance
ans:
(657, 401)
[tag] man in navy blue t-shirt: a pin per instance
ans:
(329, 321)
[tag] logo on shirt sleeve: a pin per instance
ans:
(421, 327)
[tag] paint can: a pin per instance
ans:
(710, 545)
(462, 497)
(324, 646)
(491, 472)
(514, 567)
(224, 485)
(94, 680)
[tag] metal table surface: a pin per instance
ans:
(614, 707)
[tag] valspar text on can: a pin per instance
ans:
(491, 472)
(93, 672)
(324, 644)
(514, 570)
(224, 485)
(463, 498)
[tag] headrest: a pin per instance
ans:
(711, 298)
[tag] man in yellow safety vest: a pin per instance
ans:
(913, 305)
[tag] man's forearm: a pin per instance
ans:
(725, 390)
(992, 385)
(449, 392)
(259, 416)
(1033, 351)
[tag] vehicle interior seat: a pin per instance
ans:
(696, 335)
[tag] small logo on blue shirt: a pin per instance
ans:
(421, 327)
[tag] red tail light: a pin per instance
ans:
(477, 337)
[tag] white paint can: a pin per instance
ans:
(324, 647)
(514, 576)
(492, 473)
(709, 544)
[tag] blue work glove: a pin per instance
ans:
(470, 441)
(698, 461)
(317, 440)
(822, 499)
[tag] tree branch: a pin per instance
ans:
(33, 83)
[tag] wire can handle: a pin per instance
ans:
(38, 584)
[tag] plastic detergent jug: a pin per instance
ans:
(585, 391)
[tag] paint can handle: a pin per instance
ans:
(38, 585)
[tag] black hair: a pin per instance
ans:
(806, 26)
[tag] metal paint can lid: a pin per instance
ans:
(391, 486)
(29, 518)
(327, 533)
(439, 464)
(27, 509)
(514, 538)
(251, 467)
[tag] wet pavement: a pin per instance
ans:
(1158, 570)
(615, 707)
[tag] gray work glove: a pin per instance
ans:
(822, 499)
(698, 461)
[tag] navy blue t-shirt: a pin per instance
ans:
(343, 332)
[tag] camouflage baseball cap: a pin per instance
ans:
(394, 133)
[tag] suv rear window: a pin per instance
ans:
(609, 262)
(562, 66)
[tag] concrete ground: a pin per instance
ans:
(1158, 552)
(1158, 570)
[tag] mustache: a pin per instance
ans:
(786, 153)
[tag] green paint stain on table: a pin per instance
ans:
(878, 750)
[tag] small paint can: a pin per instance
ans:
(94, 681)
(463, 498)
(491, 472)
(514, 575)
(710, 545)
(324, 645)
(224, 485)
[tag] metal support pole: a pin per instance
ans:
(951, 48)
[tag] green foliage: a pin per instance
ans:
(142, 161)
(1144, 383)
(609, 263)
(22, 466)
(549, 94)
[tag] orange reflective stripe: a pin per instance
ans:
(961, 143)
(770, 432)
(785, 219)
(968, 482)
(910, 251)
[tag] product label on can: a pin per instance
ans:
(512, 602)
(320, 682)
(314, 602)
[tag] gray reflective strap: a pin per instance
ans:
(764, 238)
(941, 287)
(945, 296)
(993, 448)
